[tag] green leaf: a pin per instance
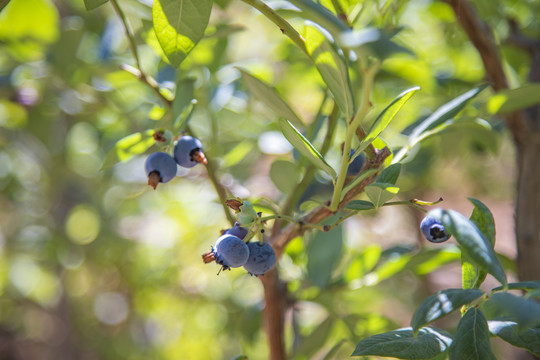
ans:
(237, 154)
(380, 193)
(472, 275)
(127, 147)
(528, 339)
(92, 4)
(403, 344)
(525, 312)
(471, 340)
(179, 25)
(285, 175)
(521, 285)
(506, 101)
(300, 143)
(323, 253)
(35, 21)
(332, 67)
(270, 96)
(445, 112)
(385, 117)
(441, 304)
(360, 205)
(316, 12)
(390, 174)
(472, 241)
(183, 102)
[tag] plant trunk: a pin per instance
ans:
(275, 298)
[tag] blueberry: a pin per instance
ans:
(160, 167)
(237, 231)
(230, 251)
(433, 230)
(356, 165)
(261, 258)
(188, 152)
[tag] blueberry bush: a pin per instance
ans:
(308, 148)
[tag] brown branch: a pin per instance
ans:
(482, 38)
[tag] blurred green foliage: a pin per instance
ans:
(96, 265)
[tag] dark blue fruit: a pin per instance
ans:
(230, 251)
(356, 165)
(160, 167)
(237, 231)
(261, 258)
(188, 152)
(433, 230)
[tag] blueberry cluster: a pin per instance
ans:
(433, 230)
(230, 251)
(160, 167)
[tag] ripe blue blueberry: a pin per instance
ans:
(237, 231)
(356, 165)
(230, 252)
(160, 167)
(188, 152)
(433, 230)
(261, 258)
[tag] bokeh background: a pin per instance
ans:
(94, 264)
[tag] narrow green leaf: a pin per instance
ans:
(179, 25)
(472, 241)
(323, 252)
(471, 340)
(270, 97)
(385, 117)
(506, 101)
(285, 175)
(380, 193)
(127, 147)
(89, 4)
(521, 285)
(441, 304)
(525, 312)
(403, 344)
(332, 67)
(300, 143)
(472, 275)
(360, 205)
(446, 112)
(237, 154)
(316, 12)
(390, 174)
(528, 339)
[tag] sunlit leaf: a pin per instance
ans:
(183, 102)
(332, 68)
(472, 338)
(385, 117)
(380, 193)
(357, 180)
(528, 339)
(472, 241)
(300, 143)
(179, 25)
(3, 4)
(441, 304)
(509, 100)
(314, 11)
(446, 112)
(19, 23)
(403, 344)
(92, 4)
(129, 146)
(270, 97)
